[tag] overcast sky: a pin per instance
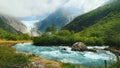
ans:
(23, 8)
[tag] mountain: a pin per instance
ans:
(31, 28)
(101, 25)
(34, 32)
(93, 17)
(59, 18)
(11, 24)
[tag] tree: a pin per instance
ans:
(51, 29)
(63, 33)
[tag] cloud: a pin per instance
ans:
(86, 5)
(23, 8)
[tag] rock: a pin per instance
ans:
(64, 49)
(79, 46)
(92, 50)
(36, 65)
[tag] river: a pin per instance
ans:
(57, 53)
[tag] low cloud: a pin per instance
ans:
(23, 8)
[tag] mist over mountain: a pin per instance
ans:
(31, 28)
(101, 24)
(58, 12)
(93, 17)
(11, 24)
(59, 18)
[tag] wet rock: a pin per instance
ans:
(64, 49)
(79, 46)
(92, 50)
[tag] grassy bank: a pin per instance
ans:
(9, 58)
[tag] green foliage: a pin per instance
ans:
(67, 65)
(92, 40)
(106, 30)
(51, 40)
(63, 33)
(9, 58)
(63, 37)
(93, 17)
(51, 29)
(114, 66)
(100, 26)
(10, 36)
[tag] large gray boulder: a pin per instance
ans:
(79, 46)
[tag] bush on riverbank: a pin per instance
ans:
(89, 37)
(52, 40)
(65, 37)
(10, 36)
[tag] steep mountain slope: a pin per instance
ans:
(101, 30)
(11, 24)
(59, 18)
(93, 17)
(107, 30)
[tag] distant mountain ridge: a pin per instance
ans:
(59, 18)
(11, 24)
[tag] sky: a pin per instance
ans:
(33, 8)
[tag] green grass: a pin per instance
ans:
(9, 58)
(68, 65)
(12, 36)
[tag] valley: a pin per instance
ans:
(69, 36)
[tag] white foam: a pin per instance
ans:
(97, 47)
(70, 61)
(92, 55)
(57, 53)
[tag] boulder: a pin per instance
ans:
(79, 46)
(64, 49)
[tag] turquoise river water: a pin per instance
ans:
(57, 53)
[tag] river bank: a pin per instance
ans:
(10, 59)
(65, 55)
(116, 52)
